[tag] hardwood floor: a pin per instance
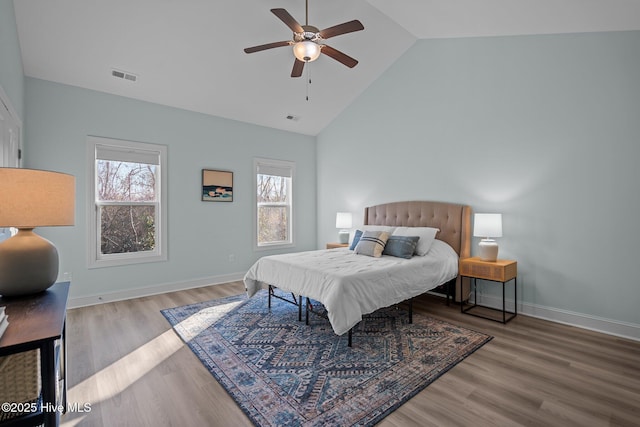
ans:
(126, 362)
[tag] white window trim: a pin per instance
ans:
(95, 259)
(276, 164)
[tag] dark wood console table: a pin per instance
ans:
(38, 322)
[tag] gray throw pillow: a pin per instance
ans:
(401, 246)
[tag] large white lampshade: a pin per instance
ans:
(487, 225)
(32, 198)
(306, 51)
(343, 222)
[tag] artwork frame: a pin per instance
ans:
(217, 186)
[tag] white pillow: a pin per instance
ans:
(387, 228)
(427, 236)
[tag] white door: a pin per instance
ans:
(9, 143)
(9, 138)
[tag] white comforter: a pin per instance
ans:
(350, 285)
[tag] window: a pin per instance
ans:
(128, 202)
(274, 206)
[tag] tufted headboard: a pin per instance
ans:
(453, 220)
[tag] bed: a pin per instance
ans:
(351, 285)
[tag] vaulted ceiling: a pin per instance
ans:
(189, 53)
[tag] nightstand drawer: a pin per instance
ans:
(500, 270)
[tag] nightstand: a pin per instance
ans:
(337, 245)
(501, 271)
(36, 322)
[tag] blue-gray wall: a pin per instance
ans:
(543, 129)
(11, 74)
(202, 235)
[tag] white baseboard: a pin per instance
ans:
(152, 290)
(593, 323)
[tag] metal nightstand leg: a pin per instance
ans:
(504, 311)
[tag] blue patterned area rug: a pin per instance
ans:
(283, 372)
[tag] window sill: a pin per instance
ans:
(274, 246)
(126, 260)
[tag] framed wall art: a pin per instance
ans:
(217, 186)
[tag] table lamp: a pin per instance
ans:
(32, 198)
(487, 225)
(343, 222)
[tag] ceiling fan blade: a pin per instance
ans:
(298, 66)
(339, 56)
(336, 30)
(266, 46)
(289, 20)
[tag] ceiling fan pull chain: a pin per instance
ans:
(308, 80)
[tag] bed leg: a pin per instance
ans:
(411, 310)
(306, 310)
(269, 299)
(300, 308)
(350, 337)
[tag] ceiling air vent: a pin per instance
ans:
(124, 75)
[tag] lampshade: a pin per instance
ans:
(306, 51)
(487, 225)
(32, 198)
(343, 220)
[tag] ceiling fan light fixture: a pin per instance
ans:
(306, 51)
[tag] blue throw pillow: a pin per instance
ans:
(356, 239)
(401, 246)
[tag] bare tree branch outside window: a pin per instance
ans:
(126, 194)
(273, 195)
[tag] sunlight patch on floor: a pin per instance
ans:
(122, 373)
(198, 322)
(109, 382)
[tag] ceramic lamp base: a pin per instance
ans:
(343, 236)
(28, 264)
(488, 250)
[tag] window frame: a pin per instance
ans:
(275, 164)
(95, 258)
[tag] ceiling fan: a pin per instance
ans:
(308, 40)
